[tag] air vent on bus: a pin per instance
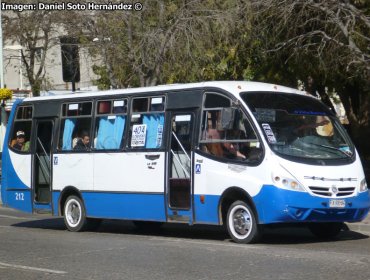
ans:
(330, 191)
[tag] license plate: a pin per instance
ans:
(337, 203)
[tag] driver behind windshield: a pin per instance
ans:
(314, 125)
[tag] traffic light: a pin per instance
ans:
(70, 59)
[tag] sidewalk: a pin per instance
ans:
(363, 226)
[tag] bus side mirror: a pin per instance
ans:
(228, 118)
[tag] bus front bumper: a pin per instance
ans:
(275, 205)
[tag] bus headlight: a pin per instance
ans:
(288, 183)
(363, 186)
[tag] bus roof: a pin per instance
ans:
(234, 87)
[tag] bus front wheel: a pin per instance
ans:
(241, 223)
(74, 214)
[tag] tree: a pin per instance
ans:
(37, 31)
(163, 43)
(327, 40)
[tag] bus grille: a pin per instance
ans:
(327, 191)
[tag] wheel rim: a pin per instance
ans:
(73, 212)
(240, 222)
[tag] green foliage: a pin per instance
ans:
(103, 82)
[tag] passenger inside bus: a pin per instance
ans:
(228, 150)
(20, 143)
(231, 149)
(213, 148)
(313, 126)
(226, 131)
(83, 142)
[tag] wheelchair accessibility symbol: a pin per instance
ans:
(198, 169)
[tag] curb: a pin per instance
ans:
(360, 227)
(363, 226)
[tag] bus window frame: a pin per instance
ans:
(122, 146)
(234, 102)
(57, 148)
(12, 130)
(148, 96)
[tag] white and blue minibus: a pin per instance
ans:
(240, 154)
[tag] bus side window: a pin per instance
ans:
(75, 122)
(22, 129)
(226, 132)
(154, 133)
(147, 123)
(110, 124)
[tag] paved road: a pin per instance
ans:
(34, 247)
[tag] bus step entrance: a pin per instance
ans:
(178, 218)
(42, 211)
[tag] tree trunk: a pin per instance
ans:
(325, 97)
(36, 87)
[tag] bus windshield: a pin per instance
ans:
(299, 127)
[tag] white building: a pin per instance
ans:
(15, 77)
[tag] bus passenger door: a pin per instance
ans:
(179, 188)
(42, 171)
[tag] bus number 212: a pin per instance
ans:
(19, 196)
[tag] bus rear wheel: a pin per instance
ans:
(74, 214)
(241, 223)
(325, 230)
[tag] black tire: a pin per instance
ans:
(325, 230)
(74, 214)
(242, 224)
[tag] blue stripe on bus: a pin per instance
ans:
(125, 206)
(139, 206)
(275, 205)
(206, 212)
(285, 207)
(55, 203)
(19, 199)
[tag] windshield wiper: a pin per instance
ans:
(332, 148)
